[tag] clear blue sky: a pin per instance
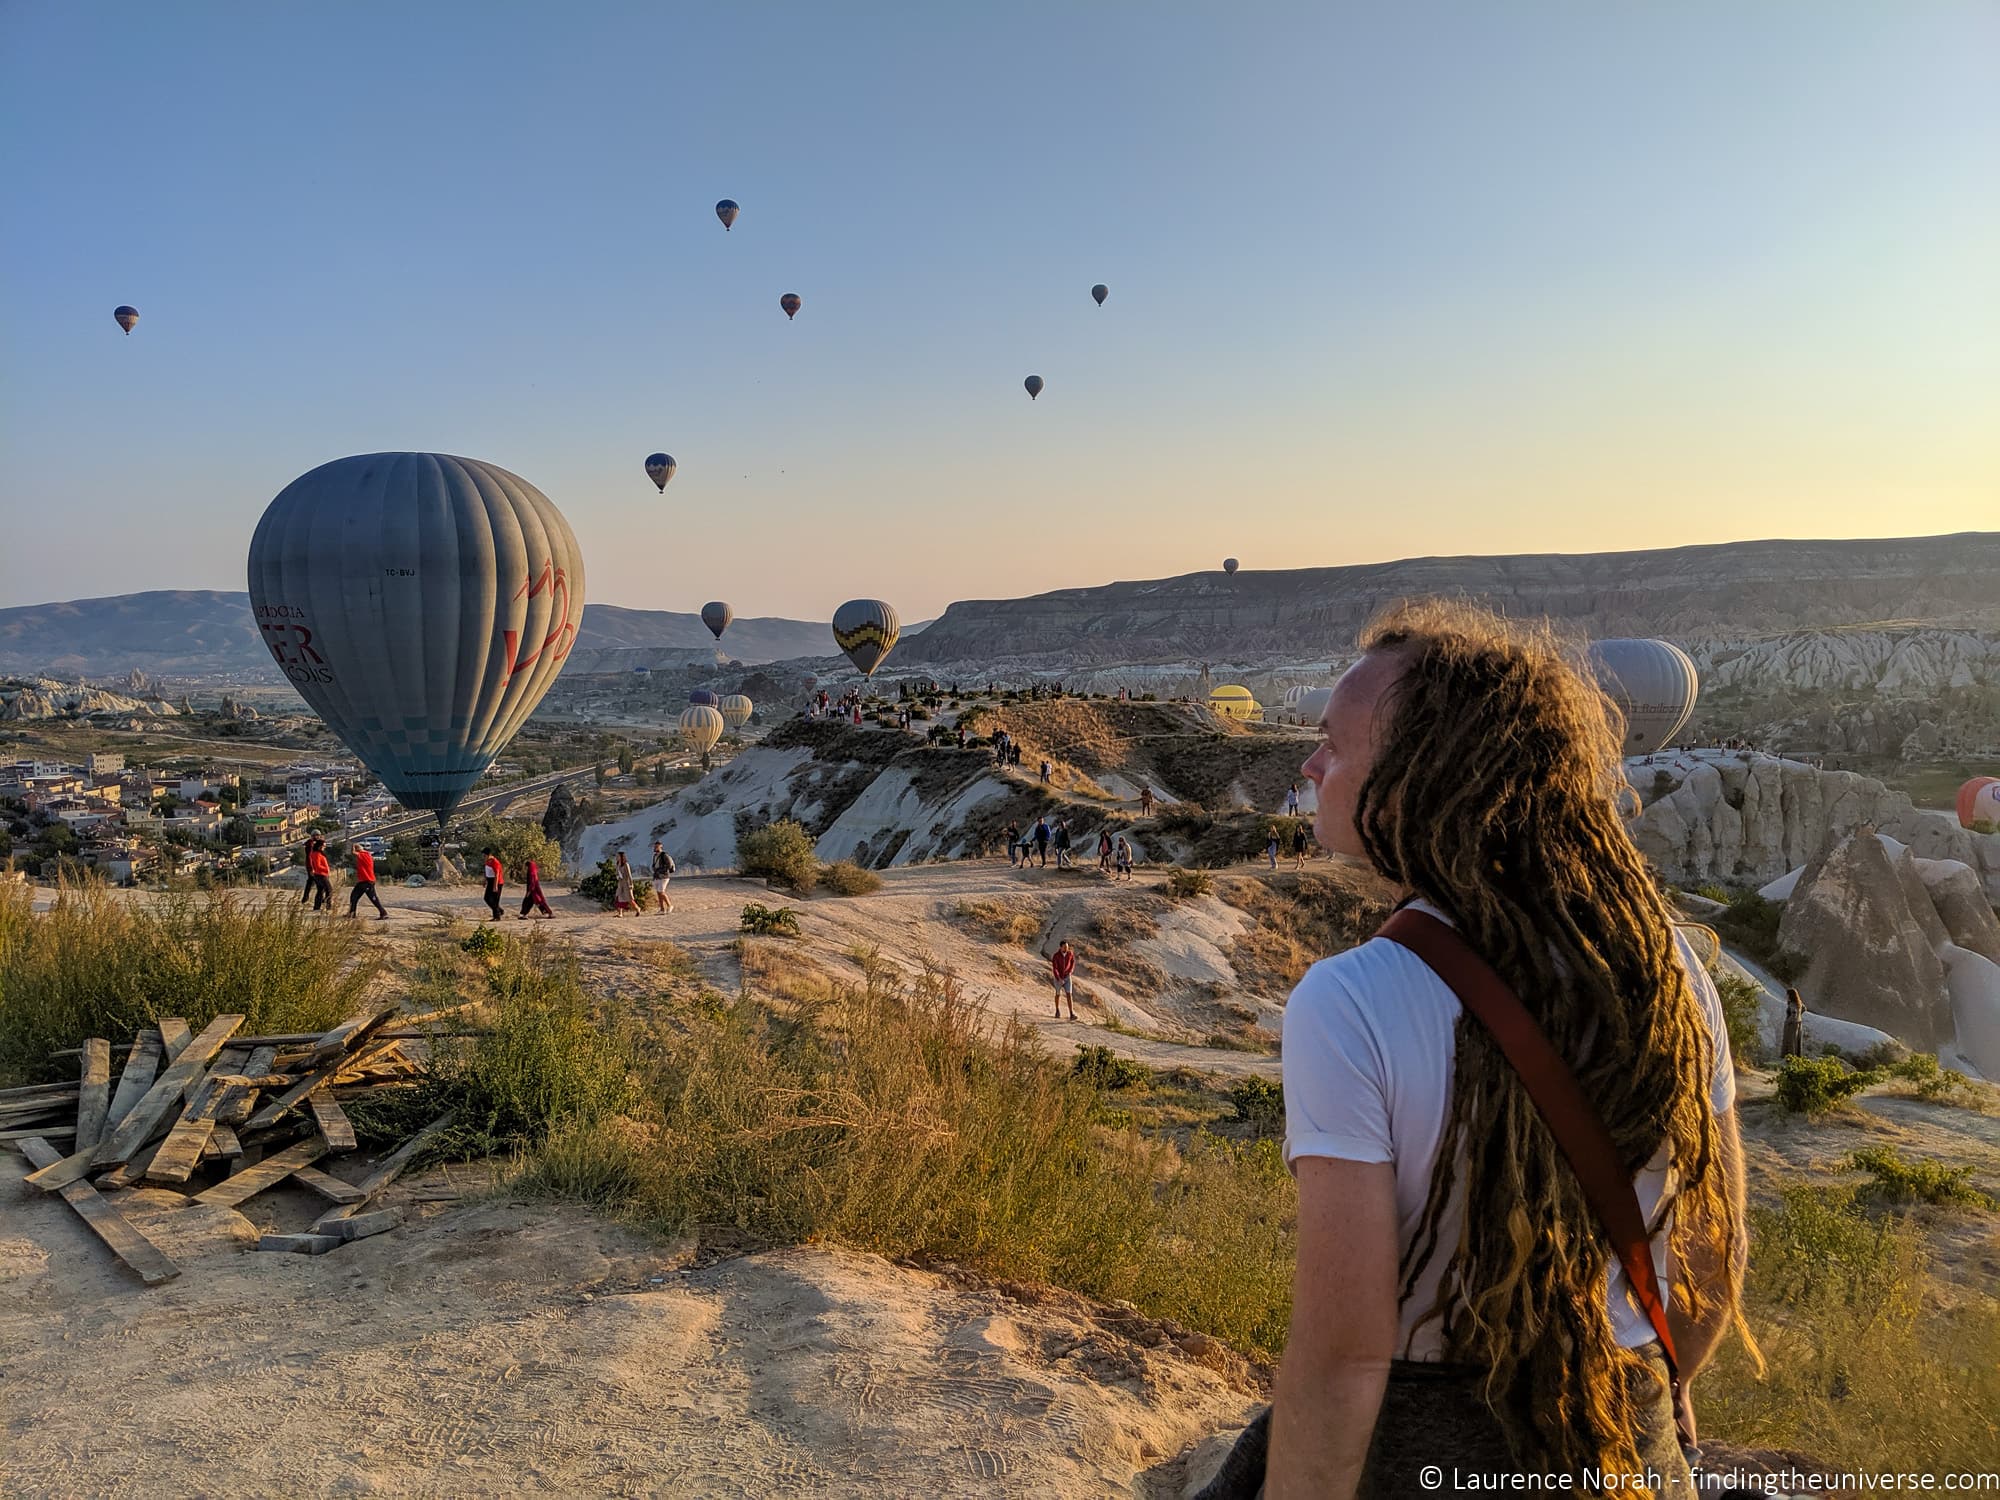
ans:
(1386, 279)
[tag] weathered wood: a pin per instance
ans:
(406, 1028)
(387, 1171)
(94, 1094)
(131, 1172)
(29, 1091)
(349, 1034)
(239, 1097)
(140, 1067)
(37, 1132)
(222, 1142)
(181, 1150)
(250, 1157)
(174, 1037)
(137, 1127)
(301, 1244)
(269, 1172)
(327, 1186)
(35, 1109)
(362, 1226)
(305, 1088)
(109, 1225)
(261, 1060)
(332, 1121)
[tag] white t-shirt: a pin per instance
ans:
(1368, 1050)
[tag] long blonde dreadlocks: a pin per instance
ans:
(1494, 795)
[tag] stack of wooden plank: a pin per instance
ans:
(219, 1118)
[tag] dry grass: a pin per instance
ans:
(1299, 918)
(1013, 922)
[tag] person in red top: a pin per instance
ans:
(364, 885)
(495, 878)
(319, 874)
(532, 898)
(1062, 964)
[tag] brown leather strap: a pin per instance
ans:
(1557, 1095)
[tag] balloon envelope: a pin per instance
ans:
(727, 211)
(126, 317)
(866, 629)
(422, 604)
(716, 616)
(1229, 565)
(736, 710)
(791, 304)
(1979, 801)
(660, 468)
(702, 696)
(701, 726)
(1100, 292)
(1034, 386)
(1654, 685)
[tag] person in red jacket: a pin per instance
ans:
(319, 874)
(532, 898)
(1062, 964)
(495, 879)
(364, 885)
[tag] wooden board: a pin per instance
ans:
(332, 1121)
(301, 1244)
(361, 1226)
(133, 1170)
(327, 1186)
(37, 1132)
(305, 1088)
(109, 1225)
(94, 1094)
(386, 1171)
(136, 1079)
(349, 1034)
(260, 1061)
(37, 1090)
(222, 1142)
(173, 1037)
(181, 1151)
(269, 1172)
(150, 1112)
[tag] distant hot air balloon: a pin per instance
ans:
(1234, 701)
(701, 726)
(727, 211)
(1293, 694)
(1100, 292)
(716, 616)
(126, 317)
(1979, 802)
(866, 629)
(1229, 565)
(1654, 685)
(660, 468)
(1034, 386)
(791, 304)
(702, 698)
(422, 604)
(736, 710)
(1312, 706)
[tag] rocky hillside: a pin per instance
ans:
(46, 698)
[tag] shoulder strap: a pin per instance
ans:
(1558, 1097)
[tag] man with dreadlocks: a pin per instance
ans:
(1456, 1301)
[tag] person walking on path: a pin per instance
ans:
(364, 885)
(621, 894)
(1145, 802)
(1794, 1042)
(1458, 1305)
(1124, 858)
(1299, 843)
(1104, 851)
(319, 874)
(532, 898)
(1062, 844)
(1062, 965)
(496, 877)
(1042, 840)
(663, 871)
(1014, 842)
(1271, 848)
(1046, 770)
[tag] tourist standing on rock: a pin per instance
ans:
(1292, 801)
(1123, 858)
(495, 879)
(532, 898)
(1145, 802)
(364, 885)
(1062, 964)
(1794, 1041)
(319, 874)
(1042, 840)
(621, 890)
(1458, 1305)
(663, 871)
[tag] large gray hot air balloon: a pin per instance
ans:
(1100, 292)
(422, 604)
(716, 616)
(1033, 386)
(701, 727)
(736, 710)
(866, 629)
(703, 698)
(1654, 685)
(660, 468)
(1229, 565)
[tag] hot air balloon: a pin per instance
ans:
(422, 604)
(702, 698)
(727, 211)
(1979, 802)
(1034, 386)
(1312, 707)
(716, 616)
(1234, 701)
(1293, 694)
(1100, 292)
(866, 629)
(1229, 565)
(660, 468)
(1654, 685)
(736, 710)
(126, 317)
(791, 304)
(701, 727)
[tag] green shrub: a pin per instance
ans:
(1751, 923)
(1894, 1180)
(780, 852)
(1813, 1085)
(1740, 1011)
(1921, 1070)
(845, 878)
(1260, 1103)
(518, 840)
(770, 921)
(1105, 1069)
(1183, 882)
(482, 940)
(601, 884)
(1787, 967)
(1713, 893)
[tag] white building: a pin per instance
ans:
(103, 763)
(311, 789)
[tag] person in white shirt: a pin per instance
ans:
(1456, 1302)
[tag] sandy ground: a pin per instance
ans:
(496, 1347)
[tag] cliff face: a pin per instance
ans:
(1734, 590)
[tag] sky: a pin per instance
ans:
(1386, 281)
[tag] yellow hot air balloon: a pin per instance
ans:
(1234, 701)
(701, 727)
(736, 710)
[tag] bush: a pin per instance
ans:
(1894, 1180)
(1260, 1103)
(1813, 1085)
(1183, 882)
(770, 921)
(845, 878)
(1787, 967)
(1105, 1069)
(518, 840)
(482, 940)
(1740, 1011)
(1921, 1070)
(601, 884)
(1713, 893)
(781, 852)
(1751, 923)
